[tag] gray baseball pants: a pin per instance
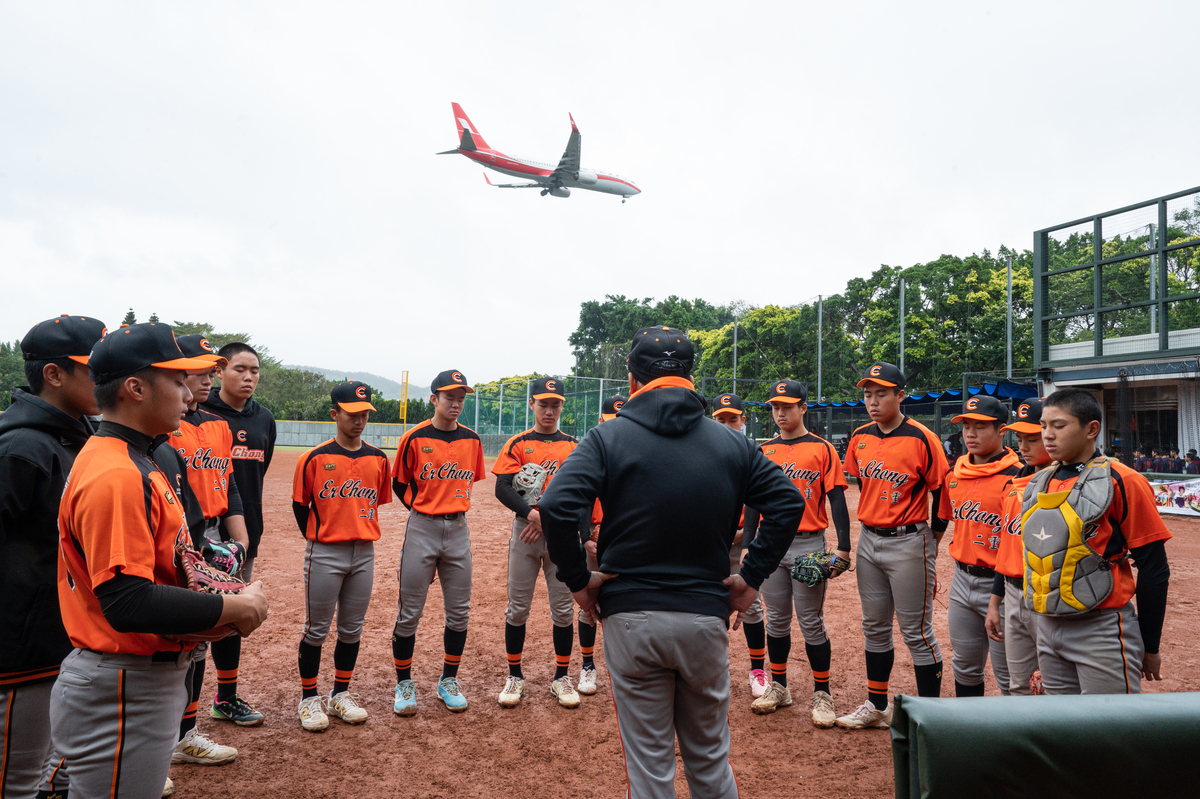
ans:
(968, 606)
(782, 593)
(434, 545)
(115, 718)
(341, 576)
(1093, 653)
(897, 575)
(28, 762)
(524, 563)
(755, 614)
(670, 679)
(1020, 640)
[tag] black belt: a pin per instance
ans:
(891, 532)
(1015, 582)
(447, 516)
(975, 571)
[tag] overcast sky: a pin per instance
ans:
(270, 168)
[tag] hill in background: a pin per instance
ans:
(390, 389)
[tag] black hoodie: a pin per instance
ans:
(672, 484)
(38, 445)
(253, 445)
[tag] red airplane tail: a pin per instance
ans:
(468, 134)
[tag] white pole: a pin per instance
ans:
(527, 387)
(902, 325)
(820, 318)
(1009, 333)
(735, 326)
(500, 420)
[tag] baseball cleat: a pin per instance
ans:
(406, 699)
(312, 717)
(587, 681)
(345, 707)
(451, 695)
(758, 683)
(200, 751)
(866, 716)
(237, 711)
(568, 697)
(514, 689)
(777, 695)
(168, 788)
(823, 714)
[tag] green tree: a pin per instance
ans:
(153, 318)
(130, 318)
(12, 371)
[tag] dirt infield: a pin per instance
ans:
(540, 749)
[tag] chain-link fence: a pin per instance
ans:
(503, 408)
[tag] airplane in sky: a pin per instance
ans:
(557, 181)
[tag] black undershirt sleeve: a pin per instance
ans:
(1153, 577)
(301, 512)
(235, 499)
(998, 585)
(841, 517)
(136, 605)
(936, 521)
(509, 497)
(749, 525)
(401, 490)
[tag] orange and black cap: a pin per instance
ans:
(546, 388)
(788, 392)
(610, 406)
(131, 348)
(884, 374)
(1029, 417)
(727, 403)
(451, 379)
(983, 409)
(195, 345)
(352, 396)
(660, 352)
(63, 337)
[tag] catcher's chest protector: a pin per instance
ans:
(1063, 574)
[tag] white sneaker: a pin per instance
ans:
(823, 714)
(345, 707)
(567, 695)
(776, 696)
(587, 681)
(168, 788)
(867, 716)
(312, 717)
(758, 683)
(514, 689)
(200, 751)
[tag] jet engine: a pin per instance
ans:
(560, 191)
(585, 177)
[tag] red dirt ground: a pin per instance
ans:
(540, 749)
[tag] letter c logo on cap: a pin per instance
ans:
(550, 386)
(204, 345)
(361, 392)
(972, 403)
(618, 405)
(725, 400)
(875, 370)
(1023, 412)
(780, 388)
(457, 377)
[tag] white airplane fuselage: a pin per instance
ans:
(592, 180)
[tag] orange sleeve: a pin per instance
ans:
(401, 471)
(945, 509)
(935, 475)
(851, 463)
(1140, 521)
(113, 529)
(300, 482)
(834, 476)
(506, 462)
(385, 483)
(480, 467)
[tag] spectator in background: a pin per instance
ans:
(1139, 460)
(1156, 461)
(1176, 463)
(1193, 463)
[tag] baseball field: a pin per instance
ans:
(540, 749)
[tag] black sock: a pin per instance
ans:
(453, 642)
(587, 643)
(966, 690)
(564, 640)
(226, 655)
(929, 679)
(402, 655)
(310, 667)
(188, 722)
(514, 645)
(819, 658)
(756, 642)
(778, 650)
(345, 655)
(879, 672)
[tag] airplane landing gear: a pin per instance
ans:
(545, 192)
(622, 201)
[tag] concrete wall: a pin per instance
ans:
(384, 436)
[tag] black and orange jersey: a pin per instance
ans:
(896, 470)
(1010, 555)
(813, 465)
(344, 488)
(548, 450)
(973, 496)
(118, 511)
(206, 444)
(435, 469)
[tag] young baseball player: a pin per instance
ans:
(1008, 620)
(437, 463)
(728, 410)
(253, 428)
(1089, 639)
(120, 694)
(41, 434)
(546, 446)
(812, 464)
(973, 497)
(336, 494)
(899, 463)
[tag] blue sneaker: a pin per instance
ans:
(406, 698)
(448, 691)
(237, 711)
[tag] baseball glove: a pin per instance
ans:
(195, 574)
(530, 482)
(228, 556)
(817, 567)
(1035, 683)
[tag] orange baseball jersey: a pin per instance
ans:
(546, 450)
(118, 511)
(597, 513)
(436, 468)
(813, 465)
(897, 470)
(344, 489)
(973, 496)
(1010, 557)
(206, 444)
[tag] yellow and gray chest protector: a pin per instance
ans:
(1064, 576)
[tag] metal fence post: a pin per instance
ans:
(500, 419)
(527, 388)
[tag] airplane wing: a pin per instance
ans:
(513, 185)
(568, 165)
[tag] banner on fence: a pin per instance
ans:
(1179, 498)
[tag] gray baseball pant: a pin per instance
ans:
(782, 593)
(968, 606)
(897, 575)
(340, 576)
(1020, 640)
(115, 718)
(1093, 653)
(28, 761)
(670, 679)
(755, 614)
(432, 546)
(524, 563)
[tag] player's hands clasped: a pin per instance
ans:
(741, 597)
(249, 608)
(834, 571)
(588, 596)
(533, 530)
